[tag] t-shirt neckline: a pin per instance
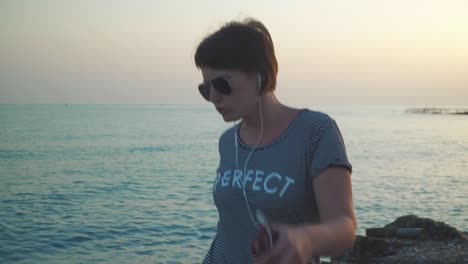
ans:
(276, 140)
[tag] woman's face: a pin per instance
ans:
(243, 98)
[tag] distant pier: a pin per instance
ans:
(437, 111)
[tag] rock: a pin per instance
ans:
(409, 239)
(392, 231)
(433, 229)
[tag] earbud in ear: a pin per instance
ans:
(259, 83)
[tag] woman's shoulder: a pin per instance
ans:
(316, 124)
(314, 118)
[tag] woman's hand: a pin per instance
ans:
(291, 246)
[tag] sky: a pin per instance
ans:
(360, 52)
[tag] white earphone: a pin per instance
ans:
(259, 83)
(259, 89)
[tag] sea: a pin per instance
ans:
(133, 183)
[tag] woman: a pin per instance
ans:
(283, 186)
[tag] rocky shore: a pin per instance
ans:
(409, 240)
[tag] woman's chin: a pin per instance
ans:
(229, 118)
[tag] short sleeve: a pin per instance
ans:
(329, 151)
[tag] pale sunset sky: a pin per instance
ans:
(330, 52)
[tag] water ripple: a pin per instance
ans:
(109, 184)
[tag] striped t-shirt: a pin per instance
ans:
(278, 180)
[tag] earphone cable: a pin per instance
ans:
(247, 161)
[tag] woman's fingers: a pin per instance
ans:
(261, 242)
(273, 254)
(286, 249)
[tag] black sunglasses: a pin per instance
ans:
(220, 84)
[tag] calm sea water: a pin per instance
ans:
(132, 183)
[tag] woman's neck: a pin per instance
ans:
(276, 118)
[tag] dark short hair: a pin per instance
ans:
(246, 46)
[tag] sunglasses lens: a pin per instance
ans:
(222, 86)
(204, 90)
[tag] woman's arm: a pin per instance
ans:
(336, 231)
(334, 234)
